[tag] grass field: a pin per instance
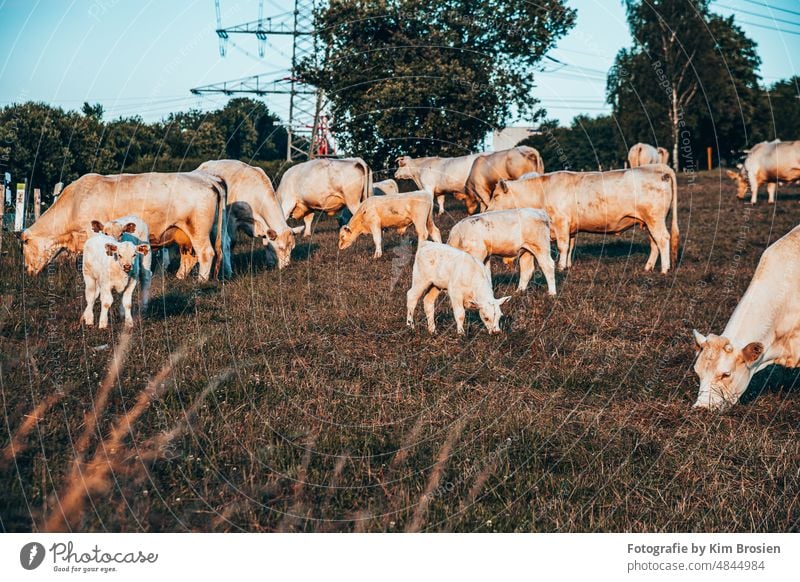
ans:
(312, 408)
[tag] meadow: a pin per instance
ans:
(297, 400)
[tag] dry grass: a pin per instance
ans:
(334, 417)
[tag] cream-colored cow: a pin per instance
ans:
(523, 233)
(397, 211)
(438, 176)
(764, 329)
(603, 203)
(488, 170)
(642, 154)
(132, 229)
(768, 163)
(438, 268)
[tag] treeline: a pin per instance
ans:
(590, 143)
(47, 145)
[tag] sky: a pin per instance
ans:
(141, 57)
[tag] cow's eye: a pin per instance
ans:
(725, 375)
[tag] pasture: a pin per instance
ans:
(312, 408)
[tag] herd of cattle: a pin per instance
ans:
(516, 211)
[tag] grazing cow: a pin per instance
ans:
(253, 206)
(642, 154)
(523, 233)
(132, 229)
(439, 176)
(768, 163)
(391, 211)
(438, 268)
(183, 207)
(601, 202)
(385, 187)
(110, 265)
(488, 170)
(324, 184)
(764, 329)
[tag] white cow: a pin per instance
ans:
(601, 202)
(110, 265)
(764, 329)
(324, 184)
(385, 187)
(438, 268)
(132, 229)
(768, 163)
(642, 154)
(523, 233)
(391, 211)
(439, 176)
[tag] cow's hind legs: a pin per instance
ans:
(429, 303)
(412, 298)
(91, 296)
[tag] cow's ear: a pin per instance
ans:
(143, 249)
(271, 234)
(130, 227)
(752, 352)
(503, 299)
(97, 226)
(504, 186)
(111, 249)
(699, 339)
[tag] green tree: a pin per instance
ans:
(425, 77)
(690, 79)
(779, 112)
(250, 130)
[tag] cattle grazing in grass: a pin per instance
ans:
(764, 329)
(488, 170)
(184, 208)
(439, 267)
(643, 154)
(110, 265)
(397, 211)
(603, 203)
(523, 233)
(326, 185)
(132, 229)
(437, 175)
(767, 163)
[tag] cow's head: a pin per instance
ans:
(282, 244)
(741, 182)
(724, 370)
(404, 170)
(37, 251)
(113, 229)
(490, 312)
(125, 253)
(346, 237)
(503, 197)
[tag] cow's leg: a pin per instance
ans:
(562, 243)
(127, 300)
(440, 203)
(771, 188)
(91, 296)
(459, 313)
(429, 302)
(422, 231)
(227, 257)
(548, 267)
(526, 269)
(753, 187)
(147, 280)
(308, 219)
(651, 260)
(660, 234)
(205, 254)
(375, 230)
(412, 298)
(571, 250)
(106, 299)
(433, 231)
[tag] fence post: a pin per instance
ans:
(19, 212)
(37, 203)
(708, 153)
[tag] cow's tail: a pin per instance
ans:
(221, 188)
(674, 234)
(367, 192)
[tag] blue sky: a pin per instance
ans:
(142, 57)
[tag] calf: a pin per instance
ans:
(132, 229)
(110, 265)
(439, 267)
(768, 163)
(391, 211)
(385, 187)
(523, 233)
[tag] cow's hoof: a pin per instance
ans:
(377, 255)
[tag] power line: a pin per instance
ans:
(773, 28)
(764, 5)
(759, 15)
